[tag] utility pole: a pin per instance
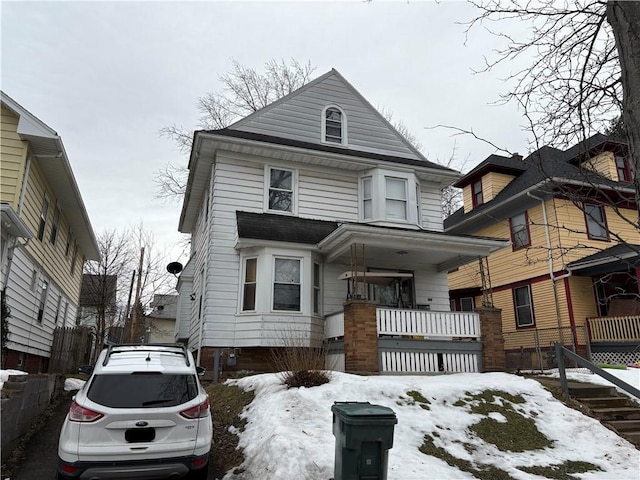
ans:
(134, 314)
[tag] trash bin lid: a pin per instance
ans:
(356, 412)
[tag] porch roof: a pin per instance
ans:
(620, 257)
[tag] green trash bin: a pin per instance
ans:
(364, 435)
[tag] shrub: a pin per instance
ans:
(300, 366)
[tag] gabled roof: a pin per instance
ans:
(540, 170)
(48, 150)
(620, 257)
(305, 105)
(493, 163)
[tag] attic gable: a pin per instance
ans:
(302, 116)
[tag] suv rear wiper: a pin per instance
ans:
(154, 402)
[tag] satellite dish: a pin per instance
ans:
(174, 268)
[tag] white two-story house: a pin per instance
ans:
(292, 210)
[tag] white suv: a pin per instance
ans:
(141, 415)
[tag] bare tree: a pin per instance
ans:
(585, 67)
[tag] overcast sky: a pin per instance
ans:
(108, 76)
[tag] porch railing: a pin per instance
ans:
(427, 323)
(414, 323)
(615, 329)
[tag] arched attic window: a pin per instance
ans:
(334, 125)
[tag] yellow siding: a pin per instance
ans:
(583, 299)
(574, 241)
(493, 183)
(51, 257)
(604, 164)
(13, 154)
(466, 199)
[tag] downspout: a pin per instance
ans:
(550, 260)
(206, 263)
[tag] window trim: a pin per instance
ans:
(300, 283)
(42, 300)
(343, 124)
(243, 291)
(588, 216)
(44, 213)
(474, 193)
(530, 305)
(363, 180)
(515, 247)
(316, 298)
(627, 177)
(294, 190)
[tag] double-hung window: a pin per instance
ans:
(395, 198)
(281, 183)
(367, 199)
(523, 306)
(43, 217)
(333, 125)
(596, 222)
(316, 288)
(43, 300)
(249, 286)
(55, 225)
(476, 193)
(622, 167)
(286, 284)
(519, 230)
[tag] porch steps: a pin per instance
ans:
(613, 409)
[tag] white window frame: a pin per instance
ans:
(379, 197)
(243, 293)
(42, 300)
(300, 282)
(316, 297)
(517, 307)
(323, 130)
(404, 200)
(268, 188)
(366, 198)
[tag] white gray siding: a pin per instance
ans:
(299, 118)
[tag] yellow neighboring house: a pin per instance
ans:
(573, 260)
(46, 237)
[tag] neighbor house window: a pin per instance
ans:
(476, 193)
(55, 321)
(201, 293)
(316, 288)
(43, 300)
(466, 304)
(73, 257)
(523, 306)
(333, 125)
(624, 172)
(67, 249)
(249, 287)
(64, 315)
(43, 218)
(519, 230)
(55, 225)
(596, 222)
(367, 200)
(280, 190)
(396, 198)
(286, 284)
(34, 280)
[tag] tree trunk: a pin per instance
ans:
(624, 18)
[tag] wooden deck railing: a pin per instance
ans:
(615, 329)
(393, 321)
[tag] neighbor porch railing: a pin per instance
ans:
(615, 329)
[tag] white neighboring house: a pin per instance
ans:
(286, 204)
(160, 323)
(46, 236)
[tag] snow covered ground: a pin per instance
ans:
(289, 431)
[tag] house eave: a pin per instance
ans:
(12, 223)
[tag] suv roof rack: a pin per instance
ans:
(180, 349)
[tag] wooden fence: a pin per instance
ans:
(71, 348)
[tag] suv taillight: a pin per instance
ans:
(81, 414)
(199, 411)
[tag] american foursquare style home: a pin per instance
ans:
(46, 237)
(574, 258)
(307, 206)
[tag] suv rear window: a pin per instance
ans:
(142, 390)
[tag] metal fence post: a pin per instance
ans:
(563, 374)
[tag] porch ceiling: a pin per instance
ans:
(404, 249)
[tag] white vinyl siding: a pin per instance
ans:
(298, 118)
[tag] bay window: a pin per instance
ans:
(286, 284)
(387, 196)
